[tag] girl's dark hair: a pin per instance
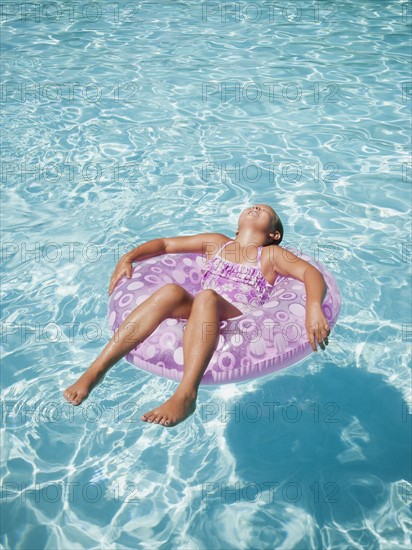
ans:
(277, 226)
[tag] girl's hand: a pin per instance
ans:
(316, 326)
(124, 267)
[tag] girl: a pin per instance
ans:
(229, 289)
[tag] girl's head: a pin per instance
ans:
(262, 218)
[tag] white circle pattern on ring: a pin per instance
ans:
(125, 300)
(152, 279)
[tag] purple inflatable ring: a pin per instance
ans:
(270, 338)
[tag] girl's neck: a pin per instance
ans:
(248, 242)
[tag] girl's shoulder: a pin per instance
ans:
(202, 243)
(270, 252)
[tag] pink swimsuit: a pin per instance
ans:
(243, 286)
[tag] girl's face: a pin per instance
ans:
(261, 213)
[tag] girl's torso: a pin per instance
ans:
(257, 265)
(242, 283)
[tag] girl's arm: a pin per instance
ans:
(289, 265)
(202, 243)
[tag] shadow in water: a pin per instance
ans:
(329, 442)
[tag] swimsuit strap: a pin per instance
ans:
(259, 254)
(222, 247)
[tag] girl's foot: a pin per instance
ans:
(173, 411)
(79, 391)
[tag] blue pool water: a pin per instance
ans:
(127, 122)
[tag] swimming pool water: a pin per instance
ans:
(122, 123)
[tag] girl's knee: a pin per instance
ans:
(174, 291)
(208, 295)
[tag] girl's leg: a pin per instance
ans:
(171, 300)
(200, 339)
